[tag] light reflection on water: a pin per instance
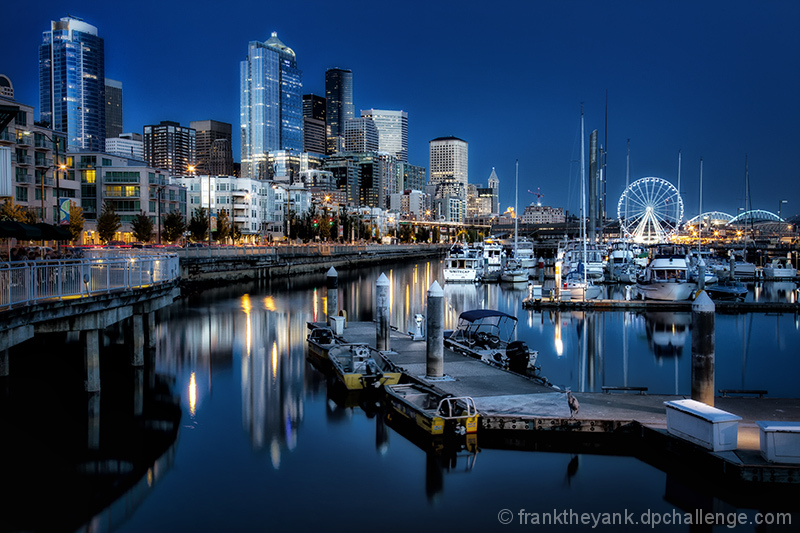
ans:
(273, 445)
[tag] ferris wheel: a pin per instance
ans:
(649, 210)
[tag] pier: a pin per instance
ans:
(518, 412)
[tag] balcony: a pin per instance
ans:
(22, 159)
(50, 182)
(24, 139)
(44, 162)
(24, 178)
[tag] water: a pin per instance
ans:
(266, 441)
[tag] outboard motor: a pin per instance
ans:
(518, 354)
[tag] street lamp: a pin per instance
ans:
(780, 219)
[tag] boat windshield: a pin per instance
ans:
(480, 324)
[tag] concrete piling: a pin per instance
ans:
(435, 332)
(332, 283)
(703, 309)
(382, 313)
(90, 339)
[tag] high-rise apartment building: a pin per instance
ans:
(361, 135)
(214, 152)
(339, 105)
(314, 124)
(170, 146)
(271, 105)
(392, 131)
(113, 90)
(72, 83)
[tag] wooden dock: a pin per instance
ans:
(523, 413)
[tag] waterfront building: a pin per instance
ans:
(6, 87)
(113, 90)
(314, 124)
(129, 186)
(339, 107)
(361, 135)
(170, 146)
(29, 166)
(392, 129)
(542, 214)
(271, 106)
(72, 83)
(214, 154)
(127, 145)
(245, 200)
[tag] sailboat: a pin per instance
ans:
(577, 279)
(744, 268)
(513, 271)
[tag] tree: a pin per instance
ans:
(198, 224)
(142, 227)
(223, 225)
(76, 220)
(107, 223)
(174, 226)
(236, 233)
(9, 211)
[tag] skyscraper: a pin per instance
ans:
(392, 131)
(339, 105)
(170, 146)
(449, 158)
(215, 158)
(72, 83)
(271, 105)
(449, 171)
(314, 124)
(361, 135)
(113, 90)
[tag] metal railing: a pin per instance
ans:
(30, 282)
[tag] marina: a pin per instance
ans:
(260, 423)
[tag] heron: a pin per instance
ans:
(572, 401)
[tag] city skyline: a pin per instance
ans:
(715, 81)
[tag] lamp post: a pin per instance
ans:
(780, 219)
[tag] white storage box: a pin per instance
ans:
(707, 426)
(780, 441)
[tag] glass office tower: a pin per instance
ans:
(72, 83)
(339, 105)
(271, 104)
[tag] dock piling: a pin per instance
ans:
(435, 332)
(332, 283)
(703, 349)
(382, 313)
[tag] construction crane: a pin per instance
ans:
(538, 195)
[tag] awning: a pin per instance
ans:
(18, 230)
(54, 233)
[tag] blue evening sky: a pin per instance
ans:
(718, 80)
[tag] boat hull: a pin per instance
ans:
(423, 406)
(666, 291)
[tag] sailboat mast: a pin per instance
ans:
(677, 204)
(627, 178)
(516, 200)
(700, 221)
(583, 198)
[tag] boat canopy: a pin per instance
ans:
(479, 314)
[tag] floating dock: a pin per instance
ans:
(524, 413)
